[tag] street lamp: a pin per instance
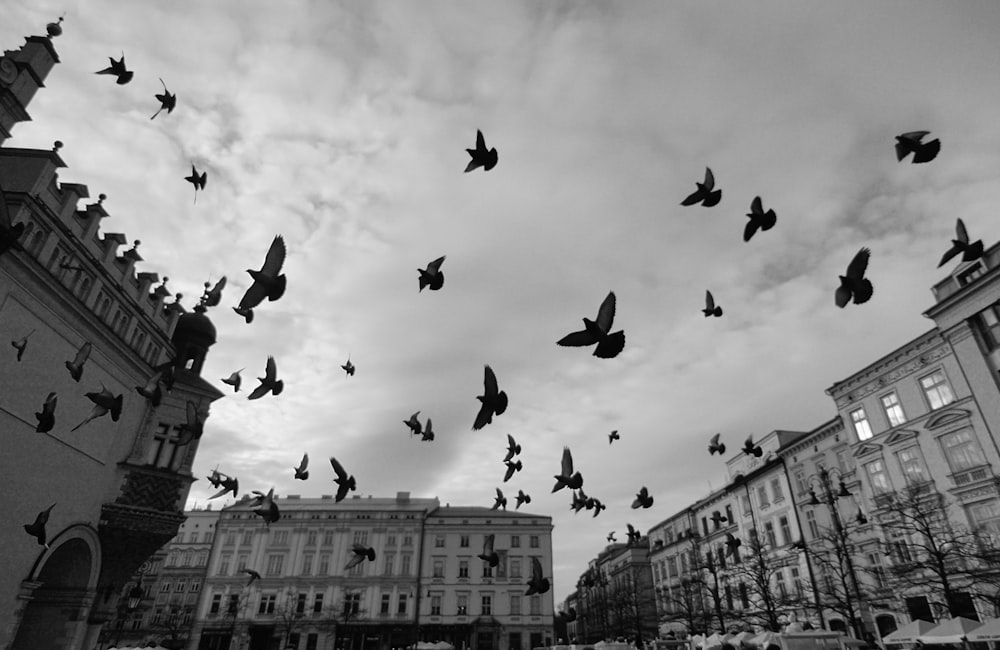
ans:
(830, 498)
(132, 601)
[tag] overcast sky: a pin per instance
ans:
(343, 127)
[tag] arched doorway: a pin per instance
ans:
(59, 594)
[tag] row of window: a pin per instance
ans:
(276, 564)
(187, 558)
(463, 541)
(281, 538)
(936, 390)
(961, 450)
(192, 538)
(180, 585)
(500, 571)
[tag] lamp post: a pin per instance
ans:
(841, 543)
(134, 597)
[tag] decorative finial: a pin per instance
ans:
(135, 244)
(57, 145)
(100, 198)
(54, 29)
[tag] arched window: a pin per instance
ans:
(36, 242)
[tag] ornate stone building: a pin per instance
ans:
(117, 486)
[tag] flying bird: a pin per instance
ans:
(732, 544)
(413, 423)
(908, 143)
(521, 498)
(511, 468)
(432, 277)
(344, 482)
(633, 535)
(151, 390)
(960, 244)
(751, 449)
(228, 484)
(37, 529)
(428, 433)
(567, 477)
(499, 501)
(268, 282)
(611, 537)
(254, 575)
(494, 401)
(348, 367)
(213, 296)
(488, 555)
(537, 584)
(168, 101)
(758, 219)
(269, 383)
(599, 331)
(193, 425)
(579, 501)
(21, 344)
(268, 509)
(716, 447)
(75, 366)
(481, 157)
(104, 402)
(118, 69)
(513, 448)
(360, 553)
(198, 180)
(642, 499)
(234, 380)
(718, 518)
(301, 472)
(711, 309)
(596, 505)
(47, 417)
(854, 283)
(706, 194)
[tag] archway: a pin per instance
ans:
(59, 594)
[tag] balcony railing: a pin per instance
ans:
(971, 475)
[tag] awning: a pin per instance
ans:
(950, 631)
(909, 633)
(990, 631)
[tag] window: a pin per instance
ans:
(704, 525)
(533, 541)
(796, 581)
(535, 605)
(672, 566)
(985, 519)
(877, 570)
(776, 492)
(463, 541)
(274, 564)
(241, 561)
(515, 567)
(179, 539)
(172, 559)
(407, 540)
(247, 537)
(234, 604)
(165, 586)
(744, 598)
(181, 584)
(463, 605)
(281, 537)
(352, 603)
(312, 641)
(745, 505)
(186, 558)
(439, 541)
(324, 564)
(300, 603)
(401, 604)
(800, 482)
(216, 604)
(515, 541)
(307, 564)
(878, 477)
(515, 604)
(386, 600)
(463, 568)
(318, 603)
(390, 560)
(206, 538)
(267, 603)
(486, 605)
(769, 534)
(328, 538)
(202, 558)
(405, 568)
(729, 598)
(811, 524)
(861, 426)
(786, 530)
(164, 448)
(893, 409)
(961, 450)
(361, 537)
(487, 570)
(990, 325)
(729, 514)
(762, 496)
(910, 463)
(438, 568)
(390, 540)
(937, 390)
(311, 538)
(779, 579)
(195, 585)
(435, 605)
(224, 564)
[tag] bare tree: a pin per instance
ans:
(632, 603)
(757, 570)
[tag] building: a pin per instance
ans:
(615, 597)
(121, 485)
(477, 607)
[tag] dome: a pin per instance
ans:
(194, 327)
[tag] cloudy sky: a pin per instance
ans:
(343, 127)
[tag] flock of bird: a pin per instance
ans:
(270, 283)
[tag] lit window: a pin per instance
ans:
(463, 605)
(962, 451)
(893, 409)
(861, 426)
(937, 390)
(878, 477)
(910, 463)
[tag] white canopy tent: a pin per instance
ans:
(950, 631)
(909, 633)
(990, 631)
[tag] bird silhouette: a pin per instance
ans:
(598, 331)
(758, 219)
(213, 296)
(21, 344)
(488, 555)
(413, 423)
(718, 518)
(499, 501)
(118, 69)
(428, 433)
(633, 535)
(234, 380)
(579, 501)
(537, 584)
(75, 366)
(268, 282)
(168, 101)
(611, 537)
(169, 375)
(47, 417)
(37, 529)
(732, 544)
(344, 482)
(751, 449)
(348, 367)
(595, 505)
(521, 498)
(359, 553)
(268, 510)
(198, 180)
(151, 390)
(254, 575)
(567, 478)
(642, 499)
(432, 277)
(706, 194)
(511, 468)
(711, 309)
(10, 234)
(193, 425)
(854, 283)
(513, 448)
(104, 402)
(613, 436)
(494, 401)
(481, 157)
(301, 472)
(228, 484)
(269, 382)
(716, 447)
(970, 251)
(908, 143)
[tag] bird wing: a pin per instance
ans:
(258, 392)
(693, 197)
(579, 339)
(950, 253)
(606, 313)
(192, 416)
(435, 266)
(856, 269)
(756, 207)
(480, 141)
(253, 296)
(709, 301)
(271, 372)
(536, 569)
(709, 179)
(220, 285)
(567, 462)
(490, 384)
(275, 257)
(963, 235)
(510, 442)
(305, 463)
(338, 468)
(82, 354)
(488, 544)
(914, 136)
(715, 439)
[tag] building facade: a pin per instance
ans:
(122, 483)
(615, 598)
